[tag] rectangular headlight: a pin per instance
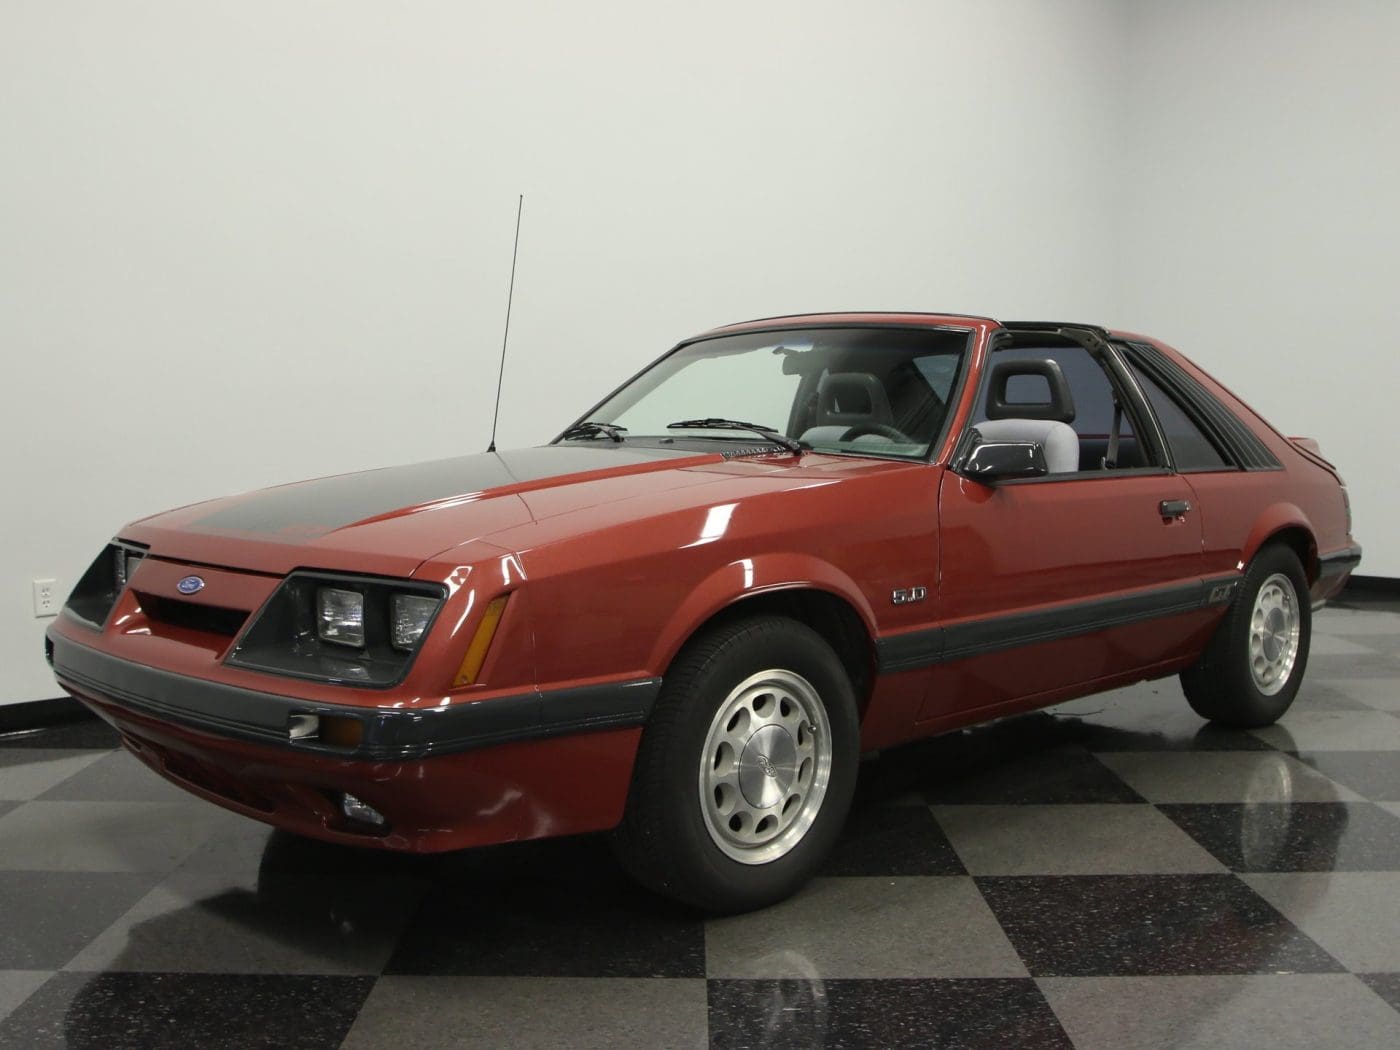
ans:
(409, 616)
(340, 616)
(352, 630)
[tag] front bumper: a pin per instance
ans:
(389, 732)
(460, 774)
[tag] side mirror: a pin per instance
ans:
(999, 460)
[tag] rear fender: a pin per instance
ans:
(1276, 519)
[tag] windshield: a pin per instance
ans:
(878, 391)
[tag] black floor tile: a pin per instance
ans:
(1386, 985)
(893, 840)
(116, 1011)
(1131, 722)
(964, 1014)
(1294, 836)
(204, 922)
(248, 845)
(47, 917)
(1118, 925)
(1064, 776)
(548, 909)
(82, 733)
(1375, 774)
(1033, 758)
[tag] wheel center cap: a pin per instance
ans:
(1273, 635)
(767, 767)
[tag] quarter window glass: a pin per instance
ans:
(1191, 449)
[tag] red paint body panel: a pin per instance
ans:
(1022, 548)
(612, 564)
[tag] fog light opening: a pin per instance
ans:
(339, 731)
(362, 812)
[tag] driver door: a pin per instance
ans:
(1049, 585)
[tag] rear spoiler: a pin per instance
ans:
(1309, 447)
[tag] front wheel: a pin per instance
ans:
(746, 770)
(1253, 665)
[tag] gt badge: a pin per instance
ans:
(1221, 593)
(909, 594)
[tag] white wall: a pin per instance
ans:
(1261, 219)
(246, 243)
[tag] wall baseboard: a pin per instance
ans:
(1359, 588)
(39, 714)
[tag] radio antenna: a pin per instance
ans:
(510, 296)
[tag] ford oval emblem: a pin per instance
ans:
(189, 585)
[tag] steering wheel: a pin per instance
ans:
(883, 429)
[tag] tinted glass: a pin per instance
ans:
(1191, 449)
(883, 391)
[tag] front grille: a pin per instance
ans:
(209, 619)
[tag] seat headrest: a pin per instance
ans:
(852, 397)
(1060, 405)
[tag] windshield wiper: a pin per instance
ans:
(776, 436)
(591, 429)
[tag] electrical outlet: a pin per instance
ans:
(45, 598)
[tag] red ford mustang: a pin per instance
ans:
(783, 544)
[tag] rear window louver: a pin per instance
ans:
(1235, 439)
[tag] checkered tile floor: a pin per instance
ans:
(1111, 873)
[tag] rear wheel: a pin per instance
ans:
(745, 772)
(1253, 666)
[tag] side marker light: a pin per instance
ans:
(481, 642)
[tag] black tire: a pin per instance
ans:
(1224, 686)
(673, 838)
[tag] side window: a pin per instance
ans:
(1191, 449)
(1088, 422)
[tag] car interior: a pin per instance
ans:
(1061, 398)
(894, 404)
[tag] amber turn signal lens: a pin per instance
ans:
(341, 732)
(481, 642)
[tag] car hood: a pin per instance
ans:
(390, 521)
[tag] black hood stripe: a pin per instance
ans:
(313, 508)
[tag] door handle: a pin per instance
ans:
(1174, 508)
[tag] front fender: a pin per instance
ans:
(746, 578)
